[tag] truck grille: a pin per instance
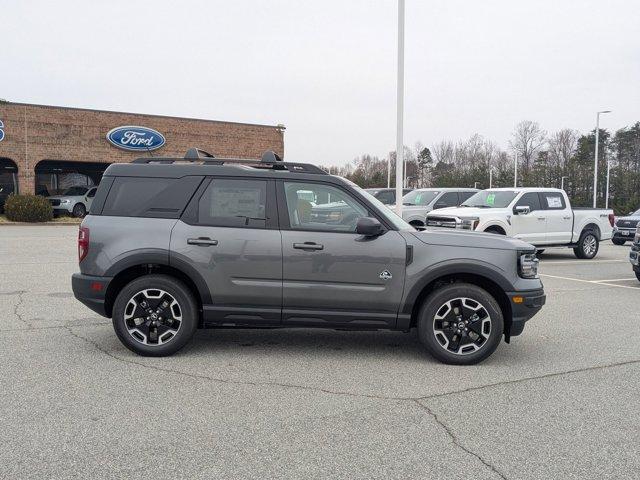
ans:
(54, 202)
(445, 222)
(626, 223)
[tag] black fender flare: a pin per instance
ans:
(453, 267)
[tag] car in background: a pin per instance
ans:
(542, 217)
(625, 228)
(634, 254)
(421, 201)
(386, 195)
(74, 201)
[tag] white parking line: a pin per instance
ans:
(592, 282)
(578, 262)
(615, 279)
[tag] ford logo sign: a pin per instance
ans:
(135, 138)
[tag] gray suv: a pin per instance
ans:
(172, 245)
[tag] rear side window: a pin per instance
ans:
(234, 203)
(386, 196)
(449, 199)
(149, 197)
(464, 195)
(553, 201)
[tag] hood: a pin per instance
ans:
(460, 212)
(465, 238)
(58, 197)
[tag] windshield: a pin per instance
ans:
(76, 191)
(391, 216)
(635, 214)
(419, 197)
(490, 199)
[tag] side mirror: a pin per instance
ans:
(369, 227)
(522, 209)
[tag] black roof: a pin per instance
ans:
(199, 162)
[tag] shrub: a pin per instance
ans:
(28, 208)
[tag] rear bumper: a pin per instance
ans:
(91, 291)
(524, 305)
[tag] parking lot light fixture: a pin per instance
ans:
(562, 182)
(595, 158)
(400, 112)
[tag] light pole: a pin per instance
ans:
(595, 158)
(475, 184)
(515, 172)
(562, 182)
(606, 197)
(389, 171)
(400, 109)
(491, 177)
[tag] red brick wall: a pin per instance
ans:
(38, 132)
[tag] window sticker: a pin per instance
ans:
(491, 199)
(554, 202)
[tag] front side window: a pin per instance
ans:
(234, 203)
(75, 191)
(531, 200)
(330, 209)
(449, 199)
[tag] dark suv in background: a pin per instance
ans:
(172, 245)
(625, 228)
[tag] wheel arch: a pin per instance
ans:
(132, 270)
(495, 227)
(592, 227)
(488, 279)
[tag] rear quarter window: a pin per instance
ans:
(149, 196)
(553, 201)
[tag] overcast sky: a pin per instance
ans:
(327, 69)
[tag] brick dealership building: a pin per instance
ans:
(45, 149)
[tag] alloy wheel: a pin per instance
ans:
(153, 317)
(462, 326)
(589, 245)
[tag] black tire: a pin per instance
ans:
(618, 241)
(495, 231)
(637, 275)
(187, 308)
(588, 245)
(79, 210)
(432, 338)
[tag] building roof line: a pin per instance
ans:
(6, 102)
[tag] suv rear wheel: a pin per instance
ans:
(618, 241)
(155, 315)
(460, 324)
(79, 210)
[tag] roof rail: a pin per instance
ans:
(269, 160)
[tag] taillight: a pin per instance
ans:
(83, 243)
(612, 219)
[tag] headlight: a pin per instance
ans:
(528, 265)
(469, 223)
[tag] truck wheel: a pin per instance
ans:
(460, 324)
(618, 241)
(638, 275)
(155, 315)
(588, 246)
(79, 210)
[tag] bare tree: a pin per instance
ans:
(562, 146)
(527, 139)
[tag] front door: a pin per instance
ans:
(229, 235)
(530, 227)
(332, 275)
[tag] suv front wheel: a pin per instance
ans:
(460, 324)
(155, 315)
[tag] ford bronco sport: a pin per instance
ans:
(172, 245)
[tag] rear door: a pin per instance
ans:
(559, 217)
(229, 234)
(530, 227)
(332, 275)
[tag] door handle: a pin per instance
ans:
(542, 218)
(202, 241)
(308, 246)
(566, 218)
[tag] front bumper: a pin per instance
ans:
(524, 305)
(634, 257)
(91, 291)
(624, 233)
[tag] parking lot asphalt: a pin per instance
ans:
(561, 401)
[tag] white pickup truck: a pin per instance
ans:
(542, 217)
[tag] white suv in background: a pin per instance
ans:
(74, 201)
(421, 201)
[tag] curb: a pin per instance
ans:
(37, 224)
